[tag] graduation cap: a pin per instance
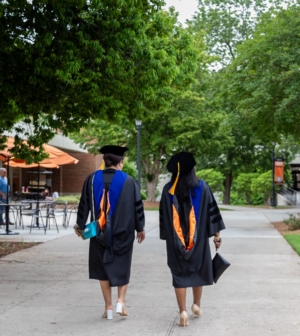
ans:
(116, 150)
(180, 163)
(110, 149)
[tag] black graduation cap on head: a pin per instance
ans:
(116, 150)
(186, 161)
(110, 149)
(180, 163)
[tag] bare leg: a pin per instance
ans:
(122, 290)
(106, 291)
(197, 293)
(181, 298)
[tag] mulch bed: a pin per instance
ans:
(11, 247)
(283, 228)
(150, 205)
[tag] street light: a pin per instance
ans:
(273, 200)
(138, 124)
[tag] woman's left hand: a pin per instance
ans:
(218, 242)
(77, 230)
(140, 236)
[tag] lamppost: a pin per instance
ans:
(273, 200)
(138, 124)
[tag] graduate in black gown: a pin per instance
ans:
(189, 216)
(114, 201)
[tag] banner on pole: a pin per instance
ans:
(278, 171)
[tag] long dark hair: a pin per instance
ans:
(186, 184)
(112, 159)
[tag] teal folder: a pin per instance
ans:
(90, 230)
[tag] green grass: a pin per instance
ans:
(156, 209)
(294, 241)
(70, 199)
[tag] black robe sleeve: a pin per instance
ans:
(214, 219)
(162, 234)
(84, 206)
(139, 209)
(162, 216)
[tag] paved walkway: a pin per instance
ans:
(45, 290)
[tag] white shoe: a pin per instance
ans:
(121, 309)
(108, 314)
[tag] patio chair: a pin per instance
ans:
(54, 210)
(25, 210)
(14, 212)
(70, 210)
(34, 213)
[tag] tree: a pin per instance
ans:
(63, 64)
(239, 151)
(266, 80)
(228, 24)
(182, 125)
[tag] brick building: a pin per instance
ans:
(66, 180)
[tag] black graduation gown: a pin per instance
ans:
(128, 217)
(197, 270)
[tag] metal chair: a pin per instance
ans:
(35, 213)
(25, 210)
(54, 210)
(70, 210)
(15, 212)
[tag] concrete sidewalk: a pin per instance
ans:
(45, 290)
(37, 234)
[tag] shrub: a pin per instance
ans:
(257, 199)
(262, 185)
(237, 199)
(213, 178)
(69, 198)
(242, 185)
(293, 223)
(130, 169)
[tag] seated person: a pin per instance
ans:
(54, 196)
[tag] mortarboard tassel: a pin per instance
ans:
(102, 166)
(172, 189)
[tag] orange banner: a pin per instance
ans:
(278, 172)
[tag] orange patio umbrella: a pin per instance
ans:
(56, 157)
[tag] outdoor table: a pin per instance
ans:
(7, 205)
(32, 195)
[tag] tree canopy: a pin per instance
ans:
(267, 78)
(224, 88)
(227, 23)
(228, 26)
(182, 124)
(63, 64)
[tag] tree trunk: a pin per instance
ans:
(151, 187)
(227, 186)
(152, 169)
